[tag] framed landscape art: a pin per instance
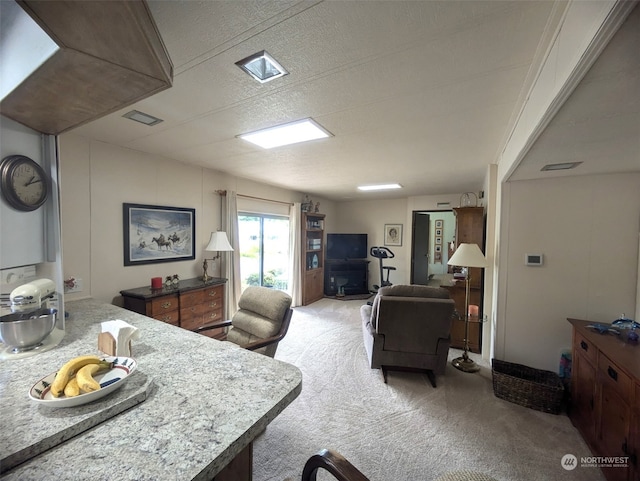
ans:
(155, 234)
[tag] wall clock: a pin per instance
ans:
(24, 183)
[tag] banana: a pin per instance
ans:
(66, 372)
(86, 383)
(72, 389)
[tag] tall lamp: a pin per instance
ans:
(467, 255)
(218, 243)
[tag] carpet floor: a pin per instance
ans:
(404, 430)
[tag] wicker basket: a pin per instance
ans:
(526, 386)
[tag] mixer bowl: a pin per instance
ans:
(26, 330)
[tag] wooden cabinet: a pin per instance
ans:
(191, 305)
(605, 398)
(312, 263)
(110, 55)
(469, 230)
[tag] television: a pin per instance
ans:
(346, 246)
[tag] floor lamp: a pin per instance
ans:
(218, 243)
(467, 255)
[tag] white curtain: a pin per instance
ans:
(232, 266)
(294, 249)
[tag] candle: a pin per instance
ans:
(156, 283)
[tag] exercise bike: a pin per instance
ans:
(382, 253)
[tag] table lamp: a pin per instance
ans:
(467, 255)
(218, 243)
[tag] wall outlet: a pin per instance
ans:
(72, 285)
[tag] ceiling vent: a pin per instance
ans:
(561, 166)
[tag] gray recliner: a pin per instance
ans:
(261, 321)
(408, 327)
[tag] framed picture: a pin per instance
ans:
(438, 248)
(439, 223)
(438, 240)
(155, 233)
(393, 234)
(438, 232)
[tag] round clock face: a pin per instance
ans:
(25, 184)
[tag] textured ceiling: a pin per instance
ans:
(422, 93)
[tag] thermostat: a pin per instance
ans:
(533, 259)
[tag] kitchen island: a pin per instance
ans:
(205, 401)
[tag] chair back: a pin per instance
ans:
(262, 319)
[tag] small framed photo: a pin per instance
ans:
(393, 234)
(438, 240)
(439, 223)
(438, 232)
(438, 248)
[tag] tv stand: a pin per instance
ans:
(350, 274)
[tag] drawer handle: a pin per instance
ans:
(612, 373)
(166, 305)
(166, 318)
(213, 304)
(584, 345)
(212, 293)
(213, 315)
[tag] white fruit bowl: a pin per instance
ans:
(109, 381)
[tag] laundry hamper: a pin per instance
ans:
(526, 386)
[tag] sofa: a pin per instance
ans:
(407, 327)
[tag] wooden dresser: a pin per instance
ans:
(457, 292)
(190, 305)
(605, 397)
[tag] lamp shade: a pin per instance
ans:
(468, 255)
(218, 242)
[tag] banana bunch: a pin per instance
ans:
(76, 376)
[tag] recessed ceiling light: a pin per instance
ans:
(262, 67)
(142, 117)
(380, 187)
(286, 134)
(561, 166)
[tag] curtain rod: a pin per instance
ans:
(263, 199)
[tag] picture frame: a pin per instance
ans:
(438, 240)
(393, 234)
(439, 223)
(154, 234)
(438, 232)
(438, 248)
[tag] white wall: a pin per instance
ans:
(587, 229)
(97, 178)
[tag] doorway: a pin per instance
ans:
(433, 232)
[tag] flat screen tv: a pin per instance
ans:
(346, 246)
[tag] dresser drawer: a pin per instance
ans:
(162, 305)
(192, 322)
(172, 318)
(586, 348)
(611, 374)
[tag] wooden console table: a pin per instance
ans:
(190, 305)
(457, 293)
(605, 397)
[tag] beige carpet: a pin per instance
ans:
(405, 430)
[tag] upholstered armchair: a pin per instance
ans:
(408, 327)
(261, 321)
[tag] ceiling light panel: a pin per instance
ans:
(379, 187)
(286, 134)
(262, 67)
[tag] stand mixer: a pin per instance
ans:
(33, 325)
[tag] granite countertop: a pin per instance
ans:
(207, 401)
(146, 292)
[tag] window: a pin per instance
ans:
(264, 250)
